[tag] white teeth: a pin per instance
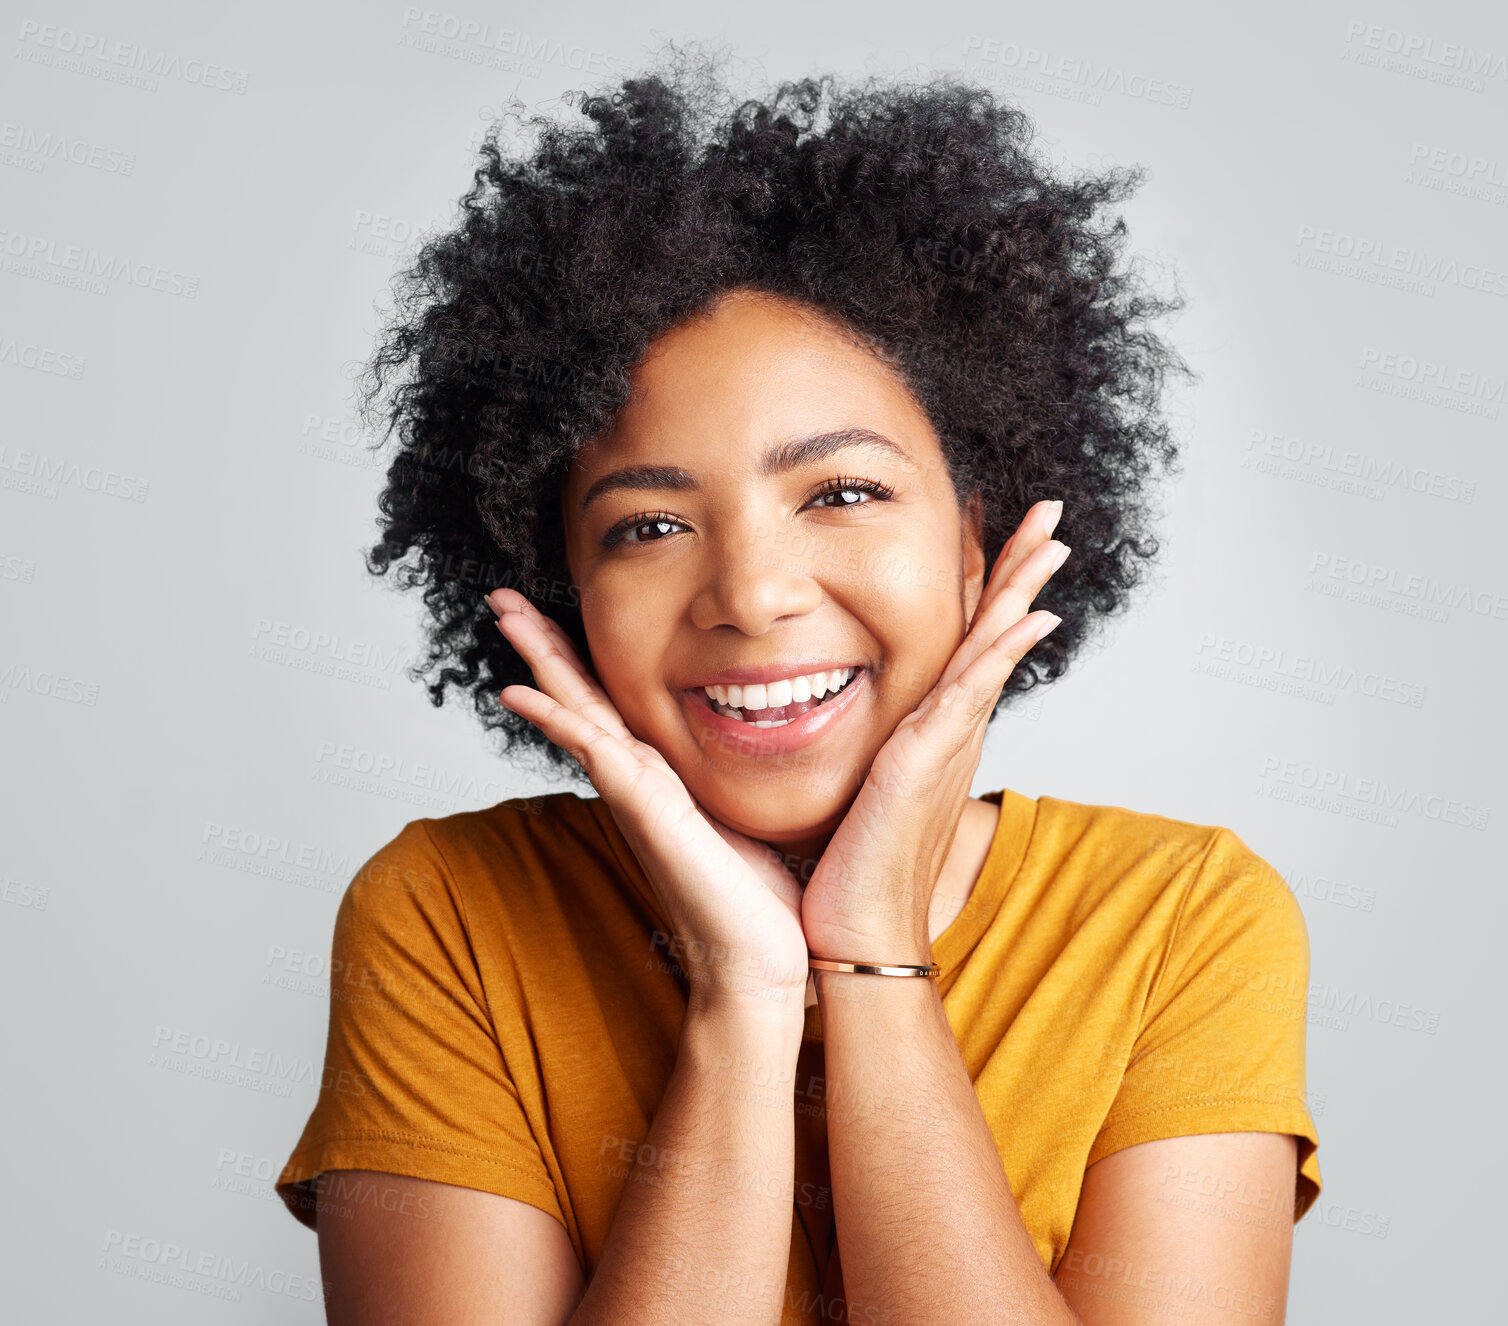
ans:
(777, 694)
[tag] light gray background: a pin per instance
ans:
(181, 817)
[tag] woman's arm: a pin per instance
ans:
(1197, 1229)
(703, 1230)
(928, 1229)
(702, 1233)
(425, 1252)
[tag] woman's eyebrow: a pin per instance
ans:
(779, 459)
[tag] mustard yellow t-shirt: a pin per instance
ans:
(506, 1007)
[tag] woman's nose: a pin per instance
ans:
(751, 581)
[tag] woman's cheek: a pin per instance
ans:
(922, 628)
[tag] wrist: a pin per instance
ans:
(741, 1059)
(768, 1013)
(886, 950)
(887, 997)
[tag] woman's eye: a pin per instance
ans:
(620, 533)
(847, 489)
(849, 492)
(662, 526)
(844, 493)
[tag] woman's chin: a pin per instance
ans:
(795, 798)
(784, 821)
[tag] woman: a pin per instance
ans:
(782, 425)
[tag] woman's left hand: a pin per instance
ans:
(868, 898)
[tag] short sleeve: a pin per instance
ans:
(414, 1081)
(1221, 1044)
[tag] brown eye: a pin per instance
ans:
(836, 487)
(663, 526)
(633, 524)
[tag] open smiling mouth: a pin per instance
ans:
(751, 704)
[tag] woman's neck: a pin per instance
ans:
(965, 863)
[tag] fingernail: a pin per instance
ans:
(1054, 514)
(1053, 620)
(1061, 557)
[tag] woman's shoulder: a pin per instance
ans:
(1137, 861)
(521, 848)
(545, 823)
(1111, 823)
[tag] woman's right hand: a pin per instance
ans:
(731, 903)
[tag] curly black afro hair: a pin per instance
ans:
(915, 217)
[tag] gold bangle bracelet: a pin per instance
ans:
(873, 968)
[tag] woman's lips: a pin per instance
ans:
(805, 728)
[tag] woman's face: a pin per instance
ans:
(723, 532)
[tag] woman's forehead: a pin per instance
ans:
(745, 375)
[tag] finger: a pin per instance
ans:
(558, 674)
(597, 708)
(1013, 598)
(1035, 529)
(610, 762)
(972, 696)
(631, 776)
(556, 665)
(1017, 592)
(506, 601)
